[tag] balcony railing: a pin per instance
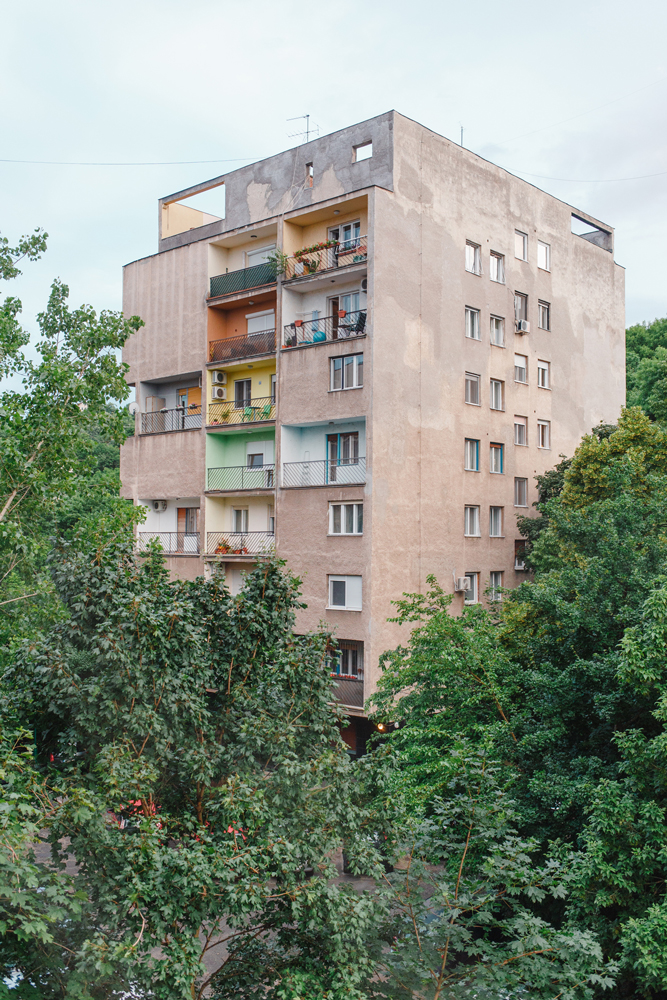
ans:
(174, 543)
(242, 477)
(327, 258)
(249, 411)
(181, 418)
(246, 277)
(239, 543)
(349, 690)
(341, 326)
(242, 347)
(324, 473)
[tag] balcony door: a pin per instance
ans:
(261, 322)
(345, 304)
(347, 235)
(242, 393)
(342, 449)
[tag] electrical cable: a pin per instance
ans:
(164, 163)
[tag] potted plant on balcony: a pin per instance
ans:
(277, 261)
(222, 548)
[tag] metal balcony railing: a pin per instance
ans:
(181, 418)
(242, 477)
(341, 326)
(174, 543)
(349, 690)
(239, 543)
(324, 473)
(242, 347)
(328, 257)
(248, 411)
(246, 277)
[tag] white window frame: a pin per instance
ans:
(543, 314)
(355, 366)
(474, 588)
(271, 518)
(471, 520)
(243, 511)
(473, 257)
(543, 256)
(353, 593)
(518, 368)
(517, 489)
(497, 323)
(497, 264)
(468, 451)
(523, 423)
(472, 323)
(254, 252)
(520, 299)
(496, 521)
(349, 646)
(493, 382)
(357, 519)
(544, 434)
(495, 585)
(496, 450)
(519, 546)
(470, 380)
(520, 239)
(544, 374)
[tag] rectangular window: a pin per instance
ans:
(520, 430)
(271, 519)
(520, 368)
(471, 455)
(520, 554)
(255, 460)
(240, 520)
(347, 235)
(470, 596)
(520, 245)
(543, 315)
(497, 268)
(472, 522)
(345, 593)
(497, 330)
(260, 322)
(191, 520)
(495, 522)
(346, 518)
(544, 374)
(543, 434)
(497, 400)
(472, 389)
(496, 458)
(242, 393)
(348, 659)
(309, 175)
(495, 586)
(363, 152)
(543, 256)
(472, 323)
(347, 372)
(520, 492)
(473, 258)
(520, 306)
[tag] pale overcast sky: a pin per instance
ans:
(572, 96)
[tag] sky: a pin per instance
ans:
(572, 96)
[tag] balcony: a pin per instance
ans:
(242, 477)
(323, 473)
(174, 543)
(240, 281)
(181, 418)
(349, 690)
(234, 348)
(251, 411)
(328, 256)
(239, 543)
(342, 326)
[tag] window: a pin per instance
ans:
(363, 152)
(255, 460)
(519, 554)
(347, 372)
(242, 393)
(520, 430)
(495, 522)
(543, 256)
(472, 522)
(497, 262)
(472, 323)
(520, 368)
(309, 175)
(471, 455)
(240, 520)
(473, 258)
(520, 492)
(544, 374)
(497, 331)
(191, 519)
(497, 401)
(495, 586)
(345, 593)
(271, 519)
(273, 388)
(520, 306)
(496, 458)
(342, 449)
(348, 659)
(472, 389)
(543, 434)
(520, 245)
(470, 596)
(260, 322)
(348, 235)
(346, 518)
(543, 315)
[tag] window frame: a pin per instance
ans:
(524, 245)
(355, 365)
(476, 258)
(466, 467)
(543, 315)
(517, 368)
(467, 518)
(357, 520)
(336, 660)
(474, 589)
(520, 299)
(501, 521)
(245, 519)
(500, 266)
(496, 447)
(543, 366)
(472, 379)
(492, 382)
(517, 480)
(521, 444)
(471, 311)
(340, 578)
(547, 255)
(544, 425)
(494, 327)
(520, 561)
(495, 585)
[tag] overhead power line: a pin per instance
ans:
(157, 163)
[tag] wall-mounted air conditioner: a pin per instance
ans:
(218, 392)
(462, 584)
(159, 506)
(364, 284)
(219, 378)
(522, 326)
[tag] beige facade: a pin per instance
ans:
(453, 349)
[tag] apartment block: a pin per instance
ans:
(362, 366)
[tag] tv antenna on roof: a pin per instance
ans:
(313, 130)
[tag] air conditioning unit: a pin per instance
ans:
(522, 326)
(159, 506)
(219, 378)
(218, 392)
(462, 584)
(364, 284)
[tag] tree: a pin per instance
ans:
(646, 377)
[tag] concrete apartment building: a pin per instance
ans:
(377, 403)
